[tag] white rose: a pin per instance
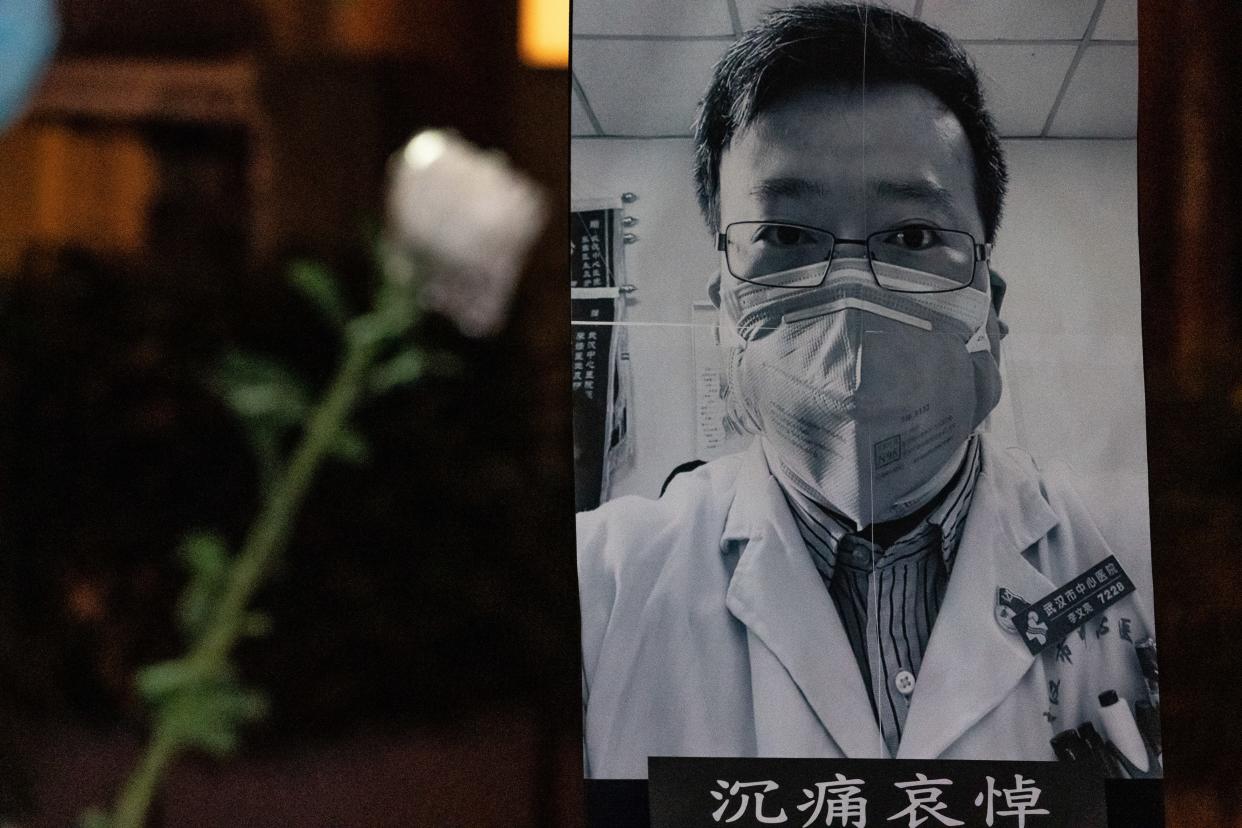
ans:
(471, 213)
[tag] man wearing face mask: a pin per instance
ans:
(846, 586)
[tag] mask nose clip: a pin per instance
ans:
(850, 243)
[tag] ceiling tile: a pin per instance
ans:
(1118, 21)
(652, 17)
(1011, 19)
(645, 87)
(1021, 82)
(579, 121)
(1102, 98)
(751, 10)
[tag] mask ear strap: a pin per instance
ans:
(979, 340)
(726, 332)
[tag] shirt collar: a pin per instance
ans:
(822, 530)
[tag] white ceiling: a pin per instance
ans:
(689, 18)
(1053, 68)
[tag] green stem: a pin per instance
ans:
(140, 788)
(270, 534)
(263, 547)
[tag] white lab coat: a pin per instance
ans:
(707, 631)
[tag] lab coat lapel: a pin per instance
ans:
(972, 663)
(778, 594)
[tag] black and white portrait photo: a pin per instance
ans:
(858, 385)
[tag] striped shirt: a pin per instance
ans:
(888, 596)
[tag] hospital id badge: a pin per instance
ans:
(1073, 604)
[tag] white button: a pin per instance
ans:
(904, 682)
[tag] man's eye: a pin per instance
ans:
(914, 238)
(782, 235)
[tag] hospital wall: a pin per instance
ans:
(1072, 362)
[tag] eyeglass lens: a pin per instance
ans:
(909, 259)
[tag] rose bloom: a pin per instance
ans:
(473, 216)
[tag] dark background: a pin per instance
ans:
(423, 665)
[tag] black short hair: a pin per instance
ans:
(818, 43)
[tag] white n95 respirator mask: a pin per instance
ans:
(865, 397)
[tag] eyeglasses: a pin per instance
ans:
(918, 259)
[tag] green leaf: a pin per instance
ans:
(402, 369)
(350, 446)
(273, 402)
(262, 390)
(267, 401)
(397, 304)
(369, 329)
(317, 284)
(269, 398)
(206, 555)
(209, 716)
(157, 682)
(207, 558)
(396, 299)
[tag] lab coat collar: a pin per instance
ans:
(778, 594)
(753, 474)
(972, 663)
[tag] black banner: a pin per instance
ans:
(855, 793)
(592, 416)
(623, 803)
(591, 255)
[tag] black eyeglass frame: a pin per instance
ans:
(982, 252)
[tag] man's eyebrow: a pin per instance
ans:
(788, 188)
(928, 192)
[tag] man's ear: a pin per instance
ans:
(998, 298)
(713, 289)
(713, 293)
(998, 289)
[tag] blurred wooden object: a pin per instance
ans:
(426, 33)
(209, 91)
(97, 174)
(92, 173)
(1190, 123)
(108, 141)
(307, 96)
(1190, 118)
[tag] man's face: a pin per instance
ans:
(865, 390)
(853, 163)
